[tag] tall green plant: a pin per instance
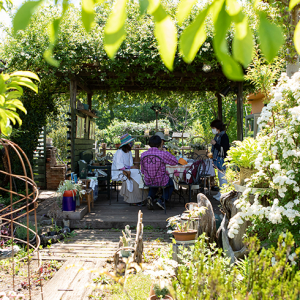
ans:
(243, 154)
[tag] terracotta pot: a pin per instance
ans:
(70, 193)
(184, 236)
(117, 145)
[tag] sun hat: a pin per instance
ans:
(126, 139)
(162, 136)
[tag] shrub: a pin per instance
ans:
(278, 163)
(205, 273)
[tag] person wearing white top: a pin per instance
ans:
(123, 161)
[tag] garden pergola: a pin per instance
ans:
(90, 79)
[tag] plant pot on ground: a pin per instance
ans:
(68, 190)
(158, 292)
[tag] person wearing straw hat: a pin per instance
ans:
(124, 170)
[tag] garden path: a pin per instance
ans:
(99, 243)
(87, 253)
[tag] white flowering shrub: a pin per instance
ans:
(277, 208)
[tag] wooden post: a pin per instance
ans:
(240, 115)
(89, 100)
(73, 92)
(220, 110)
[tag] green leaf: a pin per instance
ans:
(48, 56)
(293, 3)
(25, 82)
(87, 13)
(54, 30)
(23, 15)
(233, 7)
(5, 129)
(13, 116)
(2, 84)
(14, 86)
(165, 33)
(18, 104)
(242, 45)
(65, 5)
(183, 10)
(13, 95)
(230, 67)
(143, 6)
(114, 31)
(270, 36)
(25, 74)
(297, 37)
(2, 100)
(193, 37)
(215, 9)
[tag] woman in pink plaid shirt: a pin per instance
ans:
(154, 171)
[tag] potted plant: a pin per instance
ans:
(199, 145)
(162, 271)
(183, 231)
(243, 156)
(68, 190)
(159, 291)
(137, 144)
(117, 142)
(126, 241)
(103, 145)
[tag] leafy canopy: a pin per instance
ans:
(224, 14)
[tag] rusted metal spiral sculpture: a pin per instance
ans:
(25, 204)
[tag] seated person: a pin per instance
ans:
(124, 170)
(163, 140)
(155, 174)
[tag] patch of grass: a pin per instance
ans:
(137, 287)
